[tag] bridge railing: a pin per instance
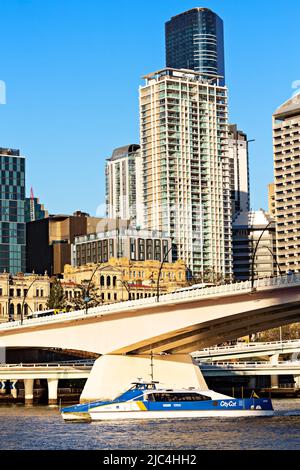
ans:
(247, 346)
(177, 296)
(63, 364)
(250, 365)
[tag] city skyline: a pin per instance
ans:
(80, 94)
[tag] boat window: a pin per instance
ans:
(176, 397)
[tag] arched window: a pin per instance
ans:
(102, 281)
(25, 309)
(19, 308)
(108, 281)
(11, 310)
(114, 281)
(40, 307)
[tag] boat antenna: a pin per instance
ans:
(152, 366)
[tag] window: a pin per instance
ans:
(176, 397)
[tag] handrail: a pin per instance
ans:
(248, 346)
(50, 364)
(244, 365)
(198, 293)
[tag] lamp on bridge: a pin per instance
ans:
(87, 297)
(24, 298)
(165, 258)
(255, 251)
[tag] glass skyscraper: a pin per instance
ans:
(195, 41)
(12, 211)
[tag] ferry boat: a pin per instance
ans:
(146, 401)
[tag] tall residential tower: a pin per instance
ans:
(195, 41)
(286, 141)
(184, 132)
(124, 184)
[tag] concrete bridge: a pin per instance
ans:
(244, 350)
(52, 372)
(126, 334)
(225, 369)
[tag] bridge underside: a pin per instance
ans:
(210, 333)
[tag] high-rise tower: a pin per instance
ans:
(12, 211)
(184, 132)
(286, 141)
(195, 41)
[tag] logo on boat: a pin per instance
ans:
(227, 404)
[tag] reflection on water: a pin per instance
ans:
(41, 427)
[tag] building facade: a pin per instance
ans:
(186, 187)
(123, 173)
(136, 245)
(286, 143)
(239, 170)
(195, 41)
(30, 291)
(121, 279)
(271, 199)
(49, 240)
(246, 231)
(12, 211)
(34, 210)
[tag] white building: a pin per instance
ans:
(124, 184)
(186, 186)
(239, 170)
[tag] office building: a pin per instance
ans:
(133, 244)
(239, 170)
(34, 210)
(195, 41)
(49, 240)
(12, 211)
(123, 184)
(286, 141)
(186, 185)
(247, 229)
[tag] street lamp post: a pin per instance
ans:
(10, 283)
(159, 271)
(87, 290)
(24, 298)
(255, 251)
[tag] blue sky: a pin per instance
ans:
(72, 69)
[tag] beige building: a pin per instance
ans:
(121, 279)
(32, 290)
(286, 141)
(271, 199)
(186, 186)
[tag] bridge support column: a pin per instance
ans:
(113, 374)
(52, 391)
(2, 387)
(13, 389)
(297, 380)
(28, 389)
(274, 378)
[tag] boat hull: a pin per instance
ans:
(182, 414)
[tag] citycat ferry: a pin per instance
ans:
(146, 401)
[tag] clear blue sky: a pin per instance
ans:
(72, 70)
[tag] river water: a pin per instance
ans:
(42, 428)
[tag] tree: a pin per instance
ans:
(57, 297)
(79, 302)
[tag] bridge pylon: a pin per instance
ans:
(113, 374)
